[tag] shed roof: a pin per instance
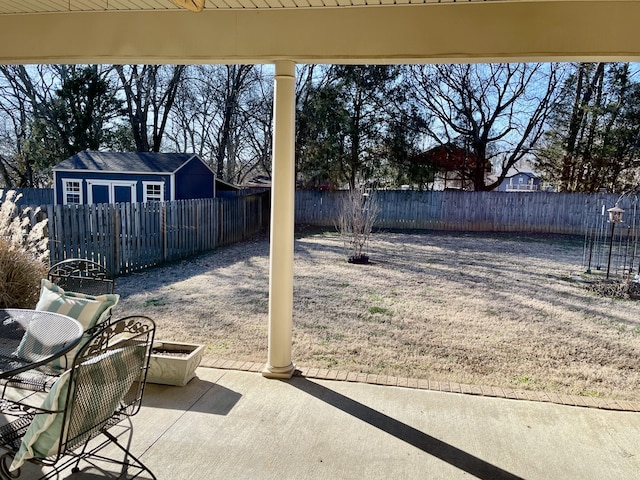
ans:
(137, 162)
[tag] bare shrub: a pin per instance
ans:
(23, 253)
(357, 215)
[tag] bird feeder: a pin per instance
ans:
(615, 214)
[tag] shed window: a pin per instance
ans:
(72, 191)
(153, 191)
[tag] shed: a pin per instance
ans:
(111, 177)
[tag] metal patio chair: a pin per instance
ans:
(72, 275)
(82, 275)
(94, 398)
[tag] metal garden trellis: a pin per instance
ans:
(611, 244)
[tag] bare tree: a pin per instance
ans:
(496, 111)
(225, 117)
(23, 92)
(358, 212)
(195, 119)
(254, 129)
(150, 91)
(234, 80)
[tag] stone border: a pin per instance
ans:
(448, 387)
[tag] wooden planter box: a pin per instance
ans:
(174, 363)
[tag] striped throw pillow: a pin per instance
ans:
(89, 310)
(42, 439)
(107, 377)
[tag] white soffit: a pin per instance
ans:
(61, 6)
(318, 31)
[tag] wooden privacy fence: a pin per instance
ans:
(128, 237)
(530, 212)
(33, 196)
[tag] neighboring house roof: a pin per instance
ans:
(259, 181)
(511, 173)
(222, 185)
(447, 158)
(126, 162)
(514, 171)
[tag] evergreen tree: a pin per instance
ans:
(344, 120)
(594, 130)
(54, 111)
(77, 117)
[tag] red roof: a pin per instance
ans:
(447, 157)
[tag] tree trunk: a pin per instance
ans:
(580, 105)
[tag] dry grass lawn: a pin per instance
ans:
(498, 310)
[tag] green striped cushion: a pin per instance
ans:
(107, 377)
(89, 310)
(102, 383)
(43, 436)
(34, 345)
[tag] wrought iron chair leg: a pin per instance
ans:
(137, 463)
(5, 462)
(129, 461)
(81, 455)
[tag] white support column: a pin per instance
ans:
(279, 364)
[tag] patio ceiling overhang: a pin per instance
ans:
(318, 31)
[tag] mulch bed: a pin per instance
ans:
(615, 289)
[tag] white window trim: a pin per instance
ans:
(111, 184)
(144, 190)
(66, 191)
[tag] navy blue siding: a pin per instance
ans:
(126, 177)
(194, 180)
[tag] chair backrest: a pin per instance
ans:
(82, 275)
(108, 378)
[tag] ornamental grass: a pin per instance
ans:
(23, 253)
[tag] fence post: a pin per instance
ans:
(116, 241)
(163, 230)
(51, 231)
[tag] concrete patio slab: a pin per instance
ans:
(238, 425)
